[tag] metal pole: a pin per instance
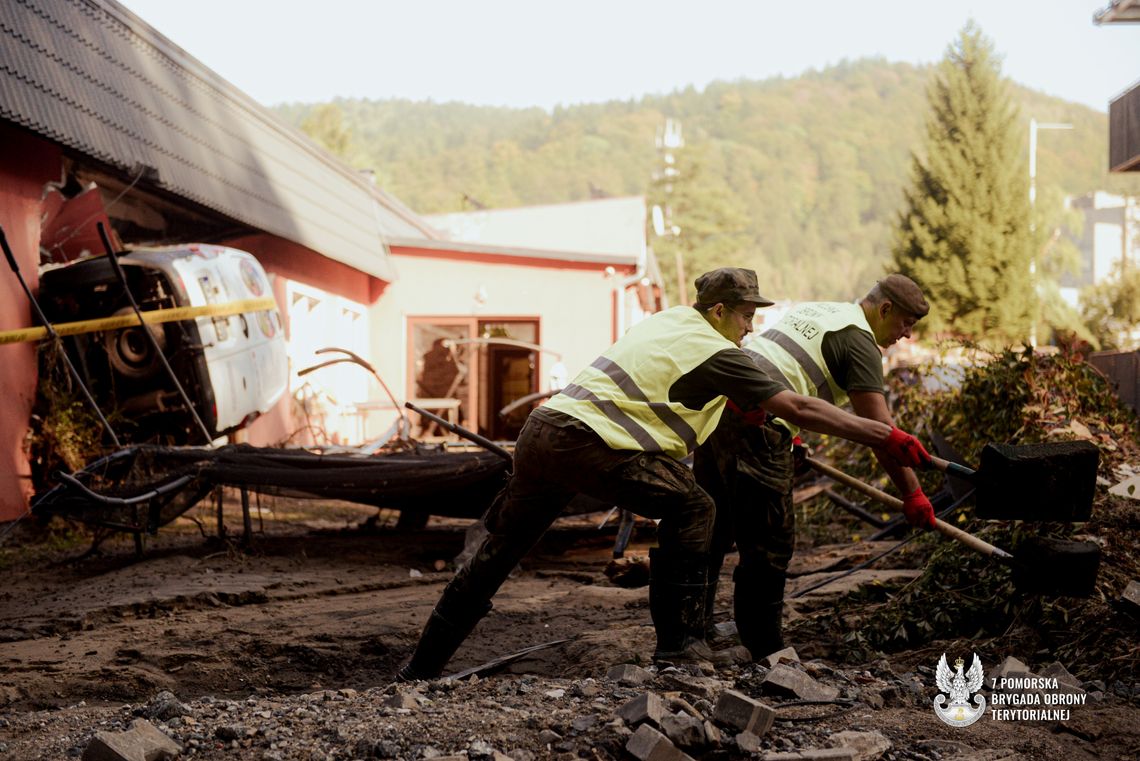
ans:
(1034, 125)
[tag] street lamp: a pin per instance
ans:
(1033, 127)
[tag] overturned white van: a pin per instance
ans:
(233, 367)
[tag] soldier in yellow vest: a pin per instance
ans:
(617, 433)
(825, 350)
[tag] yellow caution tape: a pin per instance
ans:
(153, 317)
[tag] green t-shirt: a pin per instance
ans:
(854, 359)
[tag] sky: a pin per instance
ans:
(542, 53)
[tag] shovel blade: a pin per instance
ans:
(1059, 567)
(1037, 482)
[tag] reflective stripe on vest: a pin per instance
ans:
(623, 395)
(791, 351)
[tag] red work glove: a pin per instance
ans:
(800, 453)
(918, 510)
(754, 417)
(906, 450)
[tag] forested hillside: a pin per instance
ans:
(800, 178)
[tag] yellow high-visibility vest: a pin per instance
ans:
(791, 351)
(624, 394)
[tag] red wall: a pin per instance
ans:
(26, 164)
(291, 261)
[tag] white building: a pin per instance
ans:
(1110, 235)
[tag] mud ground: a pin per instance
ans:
(333, 596)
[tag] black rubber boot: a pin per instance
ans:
(716, 562)
(758, 601)
(440, 639)
(677, 597)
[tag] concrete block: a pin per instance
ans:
(629, 675)
(812, 754)
(142, 741)
(684, 730)
(788, 654)
(648, 707)
(785, 680)
(699, 686)
(647, 744)
(867, 746)
(742, 713)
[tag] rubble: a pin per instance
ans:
(744, 714)
(785, 680)
(647, 744)
(647, 707)
(1131, 595)
(510, 716)
(142, 741)
(865, 746)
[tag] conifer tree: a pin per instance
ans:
(963, 233)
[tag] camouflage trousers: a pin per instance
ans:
(748, 471)
(552, 464)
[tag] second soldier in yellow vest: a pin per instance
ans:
(617, 433)
(830, 351)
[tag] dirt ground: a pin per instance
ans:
(325, 599)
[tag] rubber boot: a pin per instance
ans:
(438, 642)
(677, 597)
(758, 601)
(716, 562)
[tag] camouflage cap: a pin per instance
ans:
(729, 285)
(905, 294)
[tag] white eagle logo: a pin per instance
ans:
(959, 712)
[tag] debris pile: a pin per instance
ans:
(1016, 397)
(789, 710)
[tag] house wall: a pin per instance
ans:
(286, 261)
(26, 164)
(573, 302)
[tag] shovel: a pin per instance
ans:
(1032, 482)
(1042, 565)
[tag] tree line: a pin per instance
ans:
(811, 180)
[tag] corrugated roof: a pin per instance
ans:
(608, 228)
(91, 75)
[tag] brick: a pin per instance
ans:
(785, 680)
(647, 744)
(648, 707)
(812, 754)
(684, 730)
(867, 746)
(787, 654)
(629, 675)
(742, 713)
(700, 686)
(142, 741)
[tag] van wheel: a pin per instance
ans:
(129, 350)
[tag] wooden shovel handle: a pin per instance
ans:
(944, 528)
